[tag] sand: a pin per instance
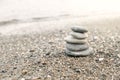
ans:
(35, 50)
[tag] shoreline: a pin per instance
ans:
(36, 25)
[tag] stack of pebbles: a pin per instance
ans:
(76, 43)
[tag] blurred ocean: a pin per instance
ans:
(25, 9)
(66, 11)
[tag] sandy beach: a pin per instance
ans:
(32, 45)
(34, 50)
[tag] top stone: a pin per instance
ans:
(79, 29)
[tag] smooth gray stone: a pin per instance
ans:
(71, 39)
(78, 35)
(80, 29)
(86, 52)
(76, 47)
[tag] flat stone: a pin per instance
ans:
(83, 53)
(78, 35)
(71, 39)
(76, 47)
(80, 29)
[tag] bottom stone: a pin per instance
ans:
(79, 53)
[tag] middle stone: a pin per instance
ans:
(76, 47)
(71, 39)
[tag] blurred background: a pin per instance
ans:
(21, 9)
(32, 45)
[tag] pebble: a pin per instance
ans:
(95, 38)
(76, 47)
(77, 70)
(32, 50)
(48, 77)
(101, 59)
(71, 39)
(119, 55)
(24, 72)
(3, 71)
(36, 78)
(79, 53)
(23, 79)
(80, 29)
(78, 35)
